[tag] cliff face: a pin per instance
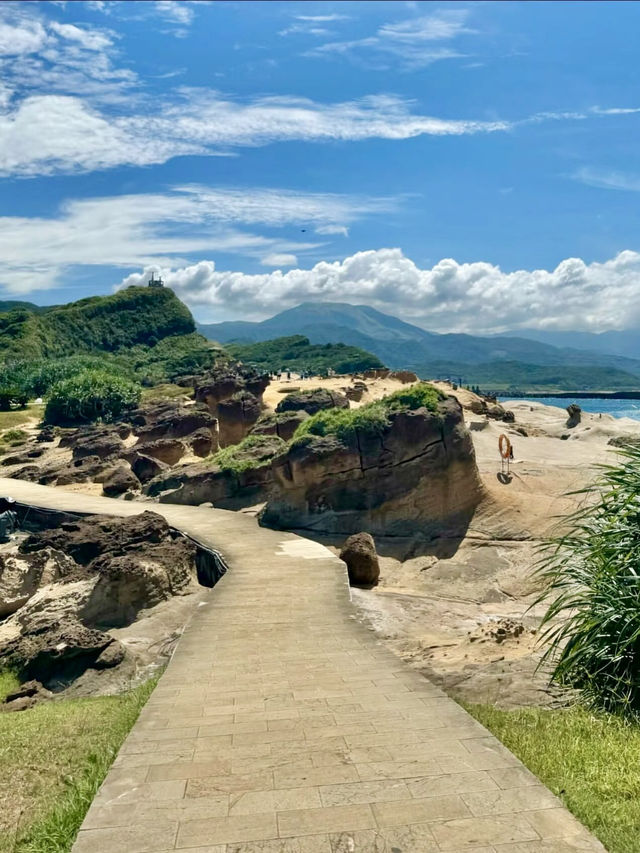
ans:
(417, 478)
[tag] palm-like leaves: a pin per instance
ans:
(591, 579)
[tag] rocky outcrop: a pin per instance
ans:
(146, 467)
(359, 553)
(575, 415)
(64, 606)
(236, 417)
(174, 420)
(167, 450)
(226, 488)
(26, 696)
(418, 478)
(405, 376)
(120, 480)
(312, 401)
(282, 424)
(225, 383)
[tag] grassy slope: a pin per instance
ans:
(53, 758)
(131, 317)
(590, 760)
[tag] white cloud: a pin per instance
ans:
(406, 41)
(21, 37)
(321, 19)
(47, 134)
(477, 297)
(174, 12)
(89, 39)
(279, 260)
(162, 228)
(333, 229)
(607, 179)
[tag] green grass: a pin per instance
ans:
(371, 418)
(53, 759)
(254, 451)
(9, 681)
(19, 417)
(590, 759)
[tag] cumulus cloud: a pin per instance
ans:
(163, 228)
(477, 297)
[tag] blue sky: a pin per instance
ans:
(466, 166)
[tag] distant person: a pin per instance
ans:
(511, 451)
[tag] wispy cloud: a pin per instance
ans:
(410, 41)
(134, 231)
(607, 179)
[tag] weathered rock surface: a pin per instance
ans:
(146, 467)
(167, 450)
(202, 442)
(359, 553)
(207, 483)
(237, 416)
(21, 575)
(26, 696)
(282, 424)
(575, 415)
(416, 479)
(120, 480)
(173, 420)
(312, 401)
(224, 383)
(405, 376)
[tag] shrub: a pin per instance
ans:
(592, 581)
(254, 451)
(371, 418)
(11, 396)
(89, 396)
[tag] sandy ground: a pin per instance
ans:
(465, 620)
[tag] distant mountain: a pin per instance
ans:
(11, 304)
(495, 361)
(623, 343)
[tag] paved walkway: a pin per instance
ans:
(282, 725)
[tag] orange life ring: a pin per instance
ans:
(504, 446)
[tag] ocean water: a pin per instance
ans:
(617, 408)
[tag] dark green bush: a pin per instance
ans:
(591, 578)
(89, 396)
(12, 397)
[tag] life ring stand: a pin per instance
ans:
(504, 446)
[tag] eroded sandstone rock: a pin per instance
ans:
(359, 553)
(312, 401)
(416, 478)
(282, 424)
(119, 480)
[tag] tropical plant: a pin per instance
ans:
(591, 578)
(89, 396)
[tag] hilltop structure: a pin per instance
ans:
(155, 282)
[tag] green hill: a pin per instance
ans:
(131, 317)
(297, 354)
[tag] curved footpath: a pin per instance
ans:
(282, 725)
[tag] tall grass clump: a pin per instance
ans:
(591, 578)
(372, 417)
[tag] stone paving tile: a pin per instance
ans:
(282, 726)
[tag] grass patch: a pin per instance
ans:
(590, 759)
(53, 759)
(19, 417)
(9, 682)
(166, 391)
(371, 418)
(254, 451)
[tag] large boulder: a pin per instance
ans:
(146, 467)
(575, 415)
(224, 383)
(103, 446)
(202, 442)
(313, 401)
(120, 480)
(167, 450)
(418, 478)
(405, 376)
(174, 420)
(359, 553)
(282, 424)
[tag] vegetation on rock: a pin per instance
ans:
(255, 451)
(372, 417)
(297, 354)
(89, 396)
(592, 625)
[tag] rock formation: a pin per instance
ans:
(234, 397)
(312, 401)
(359, 553)
(282, 424)
(575, 415)
(237, 416)
(418, 478)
